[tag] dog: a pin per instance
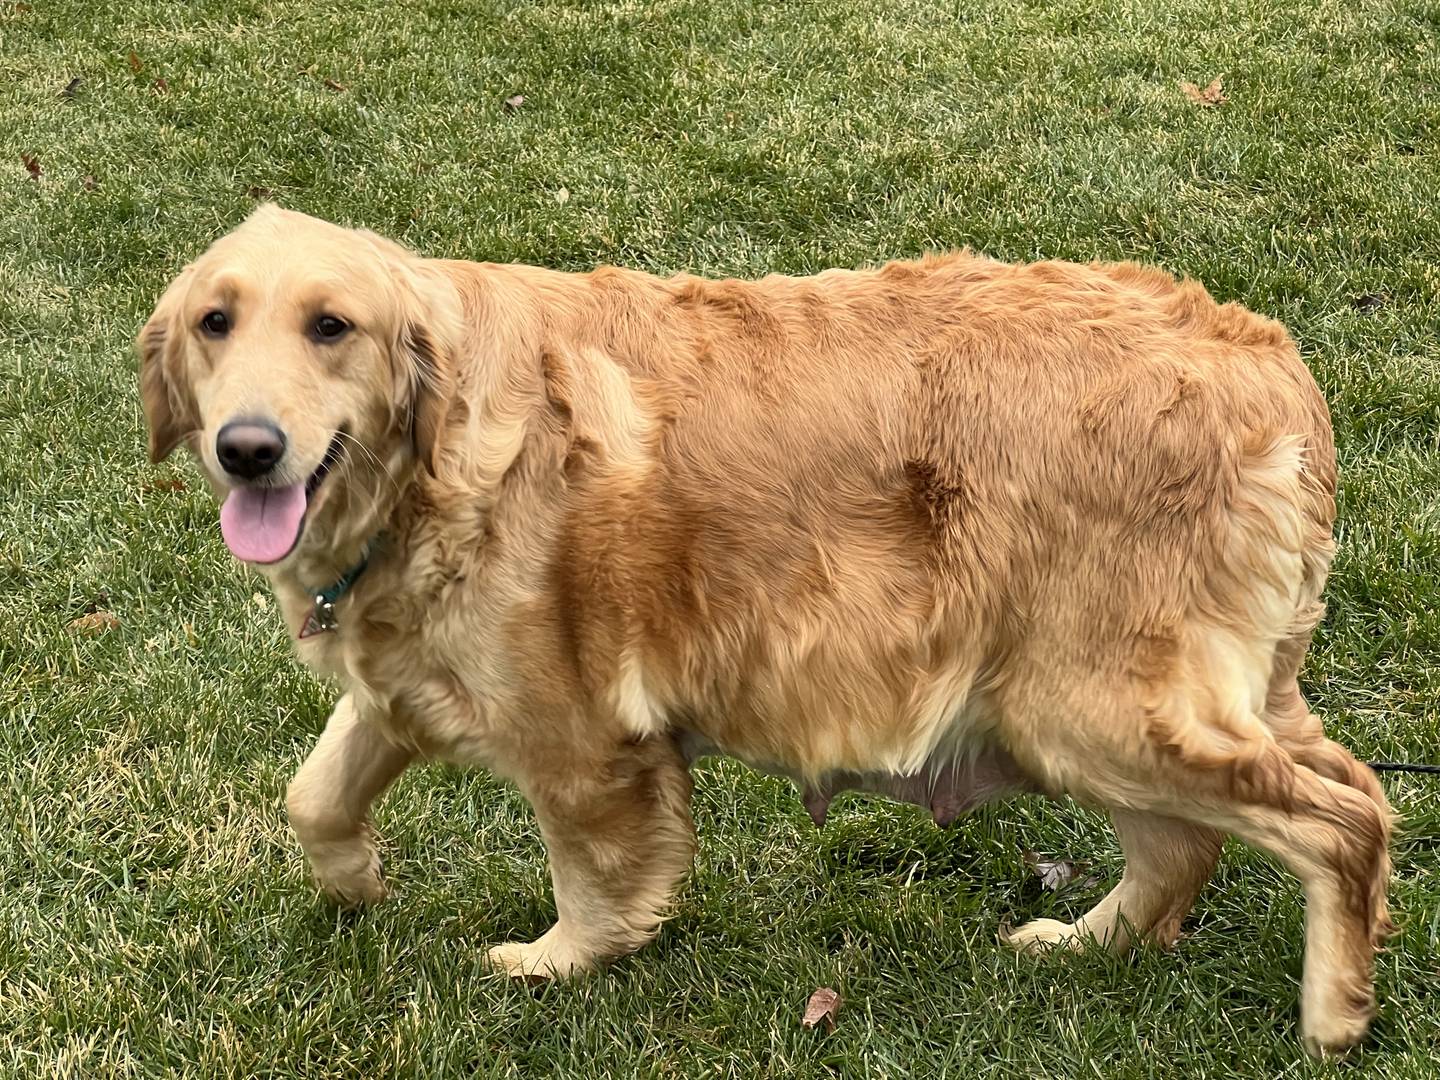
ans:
(941, 530)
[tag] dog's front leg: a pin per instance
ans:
(618, 831)
(329, 803)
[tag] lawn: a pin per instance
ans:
(156, 918)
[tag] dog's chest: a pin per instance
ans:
(442, 694)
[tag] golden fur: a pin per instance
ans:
(885, 524)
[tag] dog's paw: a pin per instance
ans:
(548, 957)
(355, 892)
(520, 961)
(1334, 1024)
(1038, 935)
(1334, 1037)
(350, 874)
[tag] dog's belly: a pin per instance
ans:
(948, 786)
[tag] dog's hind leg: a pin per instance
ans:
(329, 803)
(1301, 734)
(1334, 838)
(1330, 835)
(619, 835)
(1167, 863)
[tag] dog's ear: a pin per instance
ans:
(170, 411)
(429, 336)
(427, 352)
(430, 360)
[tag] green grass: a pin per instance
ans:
(155, 916)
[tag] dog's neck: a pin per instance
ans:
(320, 571)
(325, 578)
(346, 535)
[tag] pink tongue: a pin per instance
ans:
(261, 525)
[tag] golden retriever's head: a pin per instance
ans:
(306, 366)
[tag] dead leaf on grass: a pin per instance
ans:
(32, 166)
(1057, 874)
(88, 182)
(513, 103)
(338, 87)
(1211, 96)
(71, 87)
(94, 622)
(562, 196)
(134, 59)
(822, 1007)
(162, 86)
(163, 483)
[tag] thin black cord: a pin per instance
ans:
(1403, 766)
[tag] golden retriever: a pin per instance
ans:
(940, 530)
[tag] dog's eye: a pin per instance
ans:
(215, 323)
(328, 327)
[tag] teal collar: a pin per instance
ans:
(322, 618)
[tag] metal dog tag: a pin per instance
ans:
(321, 619)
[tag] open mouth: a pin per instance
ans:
(263, 524)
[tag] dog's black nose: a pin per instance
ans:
(249, 448)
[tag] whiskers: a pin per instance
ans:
(345, 436)
(377, 467)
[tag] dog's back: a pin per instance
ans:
(866, 496)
